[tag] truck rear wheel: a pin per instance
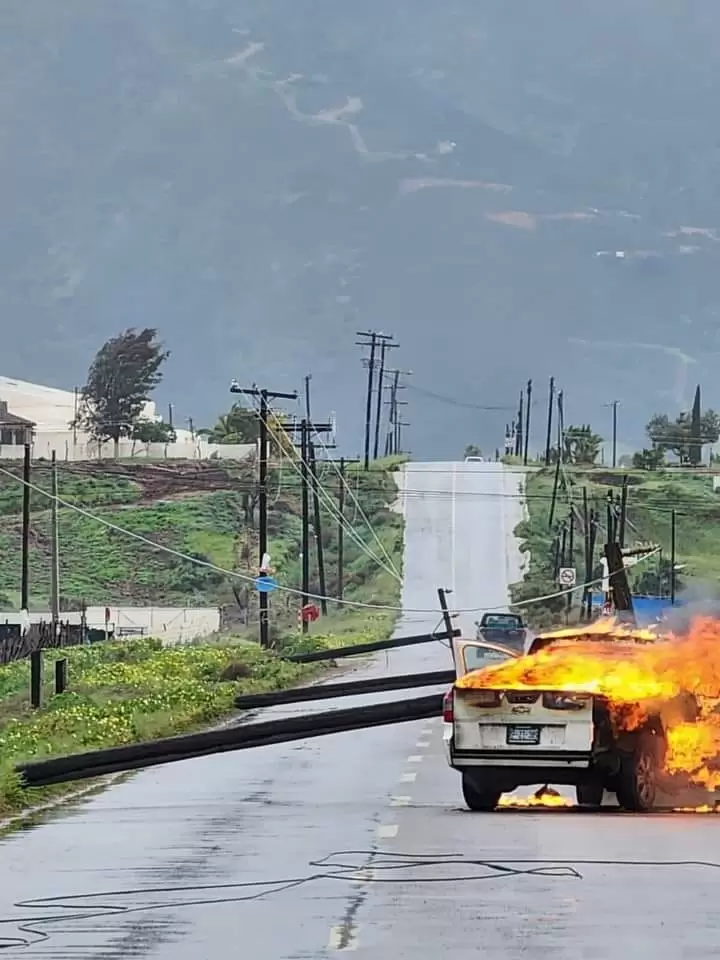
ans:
(479, 796)
(590, 793)
(636, 782)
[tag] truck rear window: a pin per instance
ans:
(475, 658)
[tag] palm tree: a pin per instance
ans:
(581, 444)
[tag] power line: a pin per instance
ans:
(233, 574)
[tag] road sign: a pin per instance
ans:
(567, 576)
(265, 584)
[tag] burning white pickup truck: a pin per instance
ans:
(513, 720)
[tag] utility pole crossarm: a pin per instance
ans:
(255, 391)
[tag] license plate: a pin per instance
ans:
(523, 735)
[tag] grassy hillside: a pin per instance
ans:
(198, 509)
(651, 499)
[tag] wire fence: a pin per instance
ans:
(18, 644)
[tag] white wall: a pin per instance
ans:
(81, 447)
(53, 410)
(170, 624)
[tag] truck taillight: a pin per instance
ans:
(449, 707)
(565, 701)
(485, 698)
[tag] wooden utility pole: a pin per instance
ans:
(672, 556)
(571, 552)
(370, 339)
(310, 481)
(392, 440)
(384, 346)
(528, 397)
(548, 435)
(305, 586)
(623, 511)
(619, 586)
(25, 558)
(265, 396)
(317, 517)
(614, 433)
(519, 432)
(561, 423)
(55, 551)
(341, 531)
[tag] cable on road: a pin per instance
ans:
(371, 866)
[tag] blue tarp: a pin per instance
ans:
(647, 609)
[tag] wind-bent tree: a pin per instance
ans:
(121, 378)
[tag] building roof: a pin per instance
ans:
(8, 419)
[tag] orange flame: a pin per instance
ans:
(636, 671)
(545, 797)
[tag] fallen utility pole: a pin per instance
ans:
(265, 396)
(98, 763)
(347, 688)
(338, 653)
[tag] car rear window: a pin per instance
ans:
(501, 620)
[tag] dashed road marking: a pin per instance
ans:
(422, 744)
(415, 758)
(400, 801)
(408, 778)
(387, 831)
(340, 939)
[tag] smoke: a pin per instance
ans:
(698, 599)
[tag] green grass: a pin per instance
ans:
(168, 506)
(124, 693)
(651, 499)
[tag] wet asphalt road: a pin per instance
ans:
(215, 826)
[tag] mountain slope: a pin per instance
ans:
(262, 179)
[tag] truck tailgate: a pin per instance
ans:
(536, 727)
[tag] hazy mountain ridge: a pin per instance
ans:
(238, 175)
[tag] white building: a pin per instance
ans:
(53, 410)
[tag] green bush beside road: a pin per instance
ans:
(128, 692)
(652, 496)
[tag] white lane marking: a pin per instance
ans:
(400, 801)
(408, 778)
(415, 758)
(422, 744)
(340, 940)
(388, 831)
